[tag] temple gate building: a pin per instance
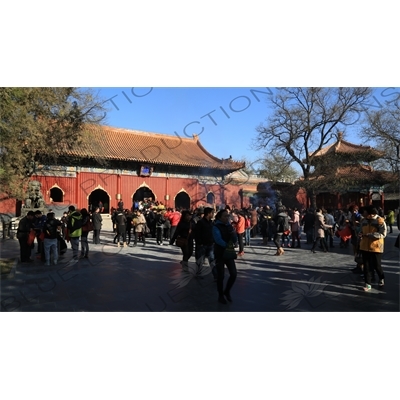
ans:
(132, 165)
(344, 177)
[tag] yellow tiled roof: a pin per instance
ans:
(154, 148)
(343, 147)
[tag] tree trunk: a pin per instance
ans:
(312, 198)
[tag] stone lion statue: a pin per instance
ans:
(34, 197)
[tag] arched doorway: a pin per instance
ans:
(57, 195)
(210, 198)
(182, 201)
(99, 195)
(143, 193)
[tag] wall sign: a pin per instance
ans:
(146, 170)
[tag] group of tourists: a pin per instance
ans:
(51, 234)
(219, 237)
(213, 239)
(137, 224)
(363, 228)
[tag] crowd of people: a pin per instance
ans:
(218, 237)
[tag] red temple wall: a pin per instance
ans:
(76, 190)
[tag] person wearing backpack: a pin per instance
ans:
(224, 236)
(50, 242)
(281, 226)
(74, 225)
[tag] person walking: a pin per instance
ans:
(281, 226)
(205, 242)
(174, 217)
(329, 220)
(373, 232)
(240, 230)
(25, 226)
(185, 230)
(74, 230)
(51, 228)
(295, 226)
(224, 235)
(390, 219)
(97, 224)
(85, 232)
(309, 221)
(319, 231)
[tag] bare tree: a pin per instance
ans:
(277, 168)
(304, 120)
(383, 128)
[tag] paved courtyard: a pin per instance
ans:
(151, 279)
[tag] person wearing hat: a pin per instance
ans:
(26, 224)
(199, 215)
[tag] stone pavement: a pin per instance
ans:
(151, 279)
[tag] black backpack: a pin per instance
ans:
(120, 218)
(283, 224)
(50, 229)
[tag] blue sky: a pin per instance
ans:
(225, 118)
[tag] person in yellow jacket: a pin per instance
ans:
(74, 225)
(372, 234)
(390, 220)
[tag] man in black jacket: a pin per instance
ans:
(160, 221)
(120, 218)
(266, 215)
(97, 222)
(204, 240)
(151, 221)
(24, 227)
